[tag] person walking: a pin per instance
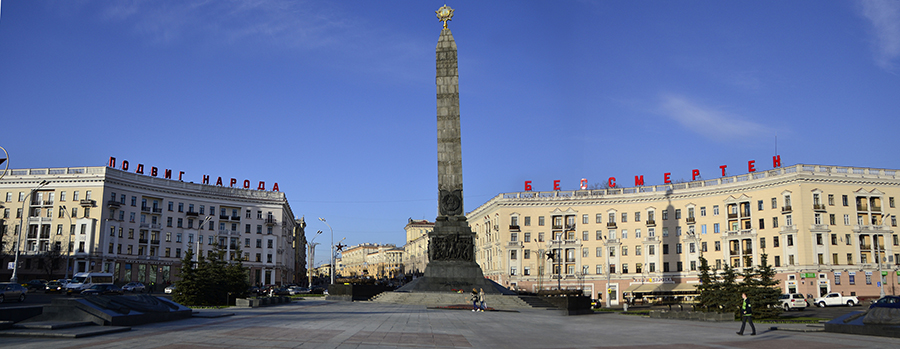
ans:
(474, 299)
(481, 299)
(746, 316)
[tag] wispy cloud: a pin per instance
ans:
(709, 122)
(884, 15)
(284, 22)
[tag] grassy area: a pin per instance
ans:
(637, 312)
(196, 307)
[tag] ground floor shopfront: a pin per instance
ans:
(862, 283)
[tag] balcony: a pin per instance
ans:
(155, 242)
(651, 239)
(874, 208)
(515, 244)
(157, 210)
(513, 227)
(113, 203)
(863, 208)
(223, 217)
(270, 221)
(732, 253)
(155, 226)
(557, 227)
(191, 214)
(651, 223)
(235, 218)
(690, 220)
(786, 209)
(145, 225)
(142, 240)
(865, 247)
(611, 225)
(229, 232)
(570, 226)
(732, 216)
(819, 207)
(819, 227)
(145, 208)
(86, 203)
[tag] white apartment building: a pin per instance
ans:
(139, 227)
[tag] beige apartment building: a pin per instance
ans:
(416, 248)
(823, 228)
(372, 260)
(139, 227)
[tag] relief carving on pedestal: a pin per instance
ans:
(451, 248)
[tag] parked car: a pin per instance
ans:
(169, 289)
(281, 291)
(886, 302)
(133, 287)
(36, 284)
(103, 289)
(298, 290)
(54, 287)
(792, 301)
(835, 298)
(12, 291)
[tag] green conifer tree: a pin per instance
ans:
(729, 294)
(763, 290)
(708, 288)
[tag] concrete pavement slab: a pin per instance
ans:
(360, 325)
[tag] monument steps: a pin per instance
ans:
(60, 329)
(435, 299)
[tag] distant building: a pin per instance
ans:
(140, 227)
(823, 228)
(354, 259)
(416, 248)
(386, 262)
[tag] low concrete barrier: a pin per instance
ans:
(260, 302)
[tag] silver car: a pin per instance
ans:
(12, 291)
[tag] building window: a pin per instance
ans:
(512, 254)
(584, 219)
(527, 237)
(527, 221)
(717, 245)
(762, 223)
(845, 202)
(759, 205)
(541, 221)
(526, 254)
(624, 217)
(585, 236)
(774, 203)
(777, 261)
(678, 248)
(624, 253)
(702, 211)
(651, 250)
(637, 251)
(891, 201)
(665, 248)
(599, 252)
(665, 215)
(788, 221)
(715, 210)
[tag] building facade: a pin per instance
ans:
(416, 248)
(140, 227)
(823, 228)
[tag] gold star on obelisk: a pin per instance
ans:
(444, 14)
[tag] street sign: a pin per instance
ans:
(11, 265)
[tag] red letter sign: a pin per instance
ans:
(527, 185)
(112, 162)
(723, 169)
(556, 185)
(583, 183)
(666, 177)
(611, 182)
(750, 165)
(694, 174)
(638, 180)
(776, 161)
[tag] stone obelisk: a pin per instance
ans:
(451, 246)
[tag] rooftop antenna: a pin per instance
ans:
(776, 144)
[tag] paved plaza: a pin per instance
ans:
(324, 324)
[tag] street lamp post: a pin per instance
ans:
(331, 268)
(310, 256)
(199, 229)
(22, 229)
(69, 242)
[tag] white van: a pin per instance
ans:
(83, 281)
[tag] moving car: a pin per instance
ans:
(36, 284)
(54, 287)
(835, 298)
(792, 301)
(133, 287)
(103, 289)
(12, 291)
(886, 302)
(169, 289)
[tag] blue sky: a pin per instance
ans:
(335, 100)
